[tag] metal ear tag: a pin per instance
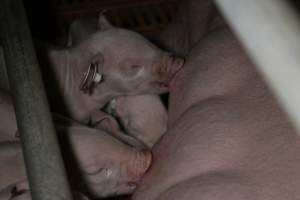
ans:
(90, 79)
(97, 78)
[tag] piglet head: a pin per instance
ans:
(125, 63)
(108, 166)
(164, 71)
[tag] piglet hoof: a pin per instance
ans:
(17, 191)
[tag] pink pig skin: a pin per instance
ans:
(12, 165)
(8, 120)
(110, 125)
(143, 117)
(228, 139)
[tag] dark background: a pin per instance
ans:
(49, 19)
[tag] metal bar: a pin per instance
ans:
(44, 164)
(270, 31)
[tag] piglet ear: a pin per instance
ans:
(103, 23)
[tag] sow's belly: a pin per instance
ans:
(223, 134)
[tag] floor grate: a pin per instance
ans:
(145, 16)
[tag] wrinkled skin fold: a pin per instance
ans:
(227, 136)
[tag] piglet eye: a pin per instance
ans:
(135, 67)
(130, 70)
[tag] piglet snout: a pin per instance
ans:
(176, 61)
(140, 164)
(169, 66)
(174, 65)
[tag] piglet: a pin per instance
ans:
(143, 117)
(108, 166)
(96, 161)
(109, 63)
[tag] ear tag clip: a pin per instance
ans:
(97, 78)
(90, 79)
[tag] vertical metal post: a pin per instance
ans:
(44, 164)
(270, 31)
